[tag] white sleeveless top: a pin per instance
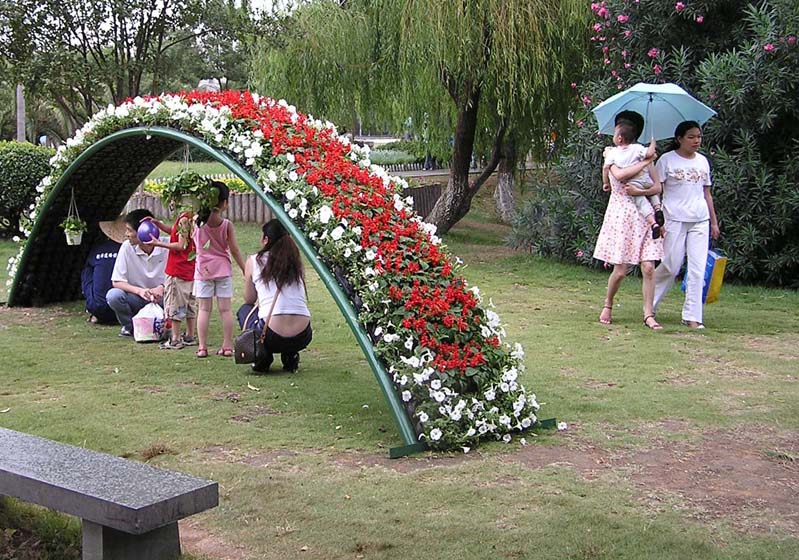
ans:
(292, 299)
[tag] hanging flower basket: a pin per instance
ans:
(72, 224)
(73, 237)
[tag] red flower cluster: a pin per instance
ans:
(437, 314)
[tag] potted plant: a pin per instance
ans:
(73, 229)
(189, 191)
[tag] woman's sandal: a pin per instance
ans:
(654, 325)
(696, 325)
(606, 320)
(225, 352)
(202, 352)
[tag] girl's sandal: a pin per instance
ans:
(606, 320)
(225, 352)
(202, 352)
(651, 323)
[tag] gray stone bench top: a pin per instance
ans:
(126, 495)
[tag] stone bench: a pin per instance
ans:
(129, 510)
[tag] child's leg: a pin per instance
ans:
(648, 213)
(226, 313)
(191, 317)
(206, 305)
(191, 326)
(654, 200)
(645, 209)
(175, 338)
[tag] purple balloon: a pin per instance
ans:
(147, 230)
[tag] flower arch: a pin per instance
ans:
(436, 352)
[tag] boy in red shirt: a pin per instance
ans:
(179, 301)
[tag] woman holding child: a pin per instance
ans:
(274, 280)
(625, 238)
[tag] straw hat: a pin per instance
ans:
(114, 230)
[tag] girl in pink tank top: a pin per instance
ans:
(215, 241)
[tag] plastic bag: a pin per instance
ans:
(714, 276)
(149, 324)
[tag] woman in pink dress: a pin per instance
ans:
(625, 239)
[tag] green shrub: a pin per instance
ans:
(22, 166)
(418, 149)
(743, 60)
(391, 157)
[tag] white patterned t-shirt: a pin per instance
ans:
(684, 181)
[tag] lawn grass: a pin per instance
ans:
(170, 168)
(300, 458)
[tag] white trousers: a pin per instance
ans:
(683, 238)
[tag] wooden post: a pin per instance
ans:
(20, 113)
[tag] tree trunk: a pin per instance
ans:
(506, 173)
(456, 198)
(20, 113)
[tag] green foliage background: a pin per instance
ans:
(22, 166)
(740, 58)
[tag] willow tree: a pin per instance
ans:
(493, 73)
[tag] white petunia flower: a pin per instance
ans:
(406, 396)
(435, 434)
(324, 214)
(337, 233)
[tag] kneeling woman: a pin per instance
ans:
(274, 280)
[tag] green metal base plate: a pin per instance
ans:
(405, 450)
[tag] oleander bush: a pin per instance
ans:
(22, 166)
(740, 58)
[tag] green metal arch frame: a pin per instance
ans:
(412, 444)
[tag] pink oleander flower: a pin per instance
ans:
(622, 18)
(579, 124)
(679, 6)
(627, 33)
(573, 85)
(768, 47)
(657, 69)
(579, 254)
(700, 19)
(586, 100)
(602, 12)
(791, 40)
(597, 27)
(627, 65)
(607, 61)
(605, 49)
(624, 53)
(712, 96)
(614, 73)
(653, 52)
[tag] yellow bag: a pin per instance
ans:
(714, 276)
(713, 286)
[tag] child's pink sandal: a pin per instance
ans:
(202, 352)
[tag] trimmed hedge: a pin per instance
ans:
(22, 166)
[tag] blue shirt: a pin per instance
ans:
(96, 279)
